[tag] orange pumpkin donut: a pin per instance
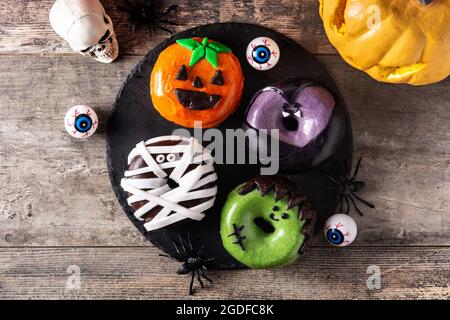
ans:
(196, 80)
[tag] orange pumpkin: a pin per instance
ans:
(196, 80)
(396, 41)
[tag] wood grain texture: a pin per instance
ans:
(25, 28)
(139, 273)
(57, 208)
(56, 191)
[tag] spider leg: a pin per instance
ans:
(356, 207)
(171, 8)
(191, 292)
(201, 249)
(202, 272)
(182, 244)
(199, 279)
(191, 248)
(341, 202)
(178, 250)
(330, 177)
(162, 28)
(347, 202)
(367, 203)
(150, 30)
(168, 22)
(357, 168)
(342, 173)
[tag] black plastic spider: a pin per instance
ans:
(142, 12)
(194, 262)
(347, 187)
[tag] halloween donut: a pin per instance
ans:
(169, 179)
(266, 222)
(196, 80)
(304, 115)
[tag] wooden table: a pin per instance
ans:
(58, 212)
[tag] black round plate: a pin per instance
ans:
(134, 119)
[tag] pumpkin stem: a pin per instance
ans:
(425, 2)
(206, 50)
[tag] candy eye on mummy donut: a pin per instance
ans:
(161, 158)
(263, 53)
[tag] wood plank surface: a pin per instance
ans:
(25, 28)
(139, 273)
(57, 208)
(56, 191)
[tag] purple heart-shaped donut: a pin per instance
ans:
(301, 112)
(300, 118)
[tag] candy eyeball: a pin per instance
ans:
(263, 53)
(171, 157)
(340, 230)
(160, 158)
(81, 121)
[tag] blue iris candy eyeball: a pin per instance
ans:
(335, 237)
(340, 230)
(263, 53)
(81, 121)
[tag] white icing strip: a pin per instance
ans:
(179, 148)
(205, 180)
(185, 161)
(167, 138)
(188, 213)
(166, 165)
(191, 178)
(150, 161)
(156, 190)
(174, 218)
(149, 183)
(144, 209)
(177, 196)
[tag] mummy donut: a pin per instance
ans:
(81, 121)
(301, 113)
(263, 53)
(196, 80)
(169, 179)
(266, 222)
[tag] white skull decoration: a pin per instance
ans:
(86, 27)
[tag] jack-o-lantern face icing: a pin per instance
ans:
(196, 80)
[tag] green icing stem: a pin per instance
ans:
(205, 49)
(262, 250)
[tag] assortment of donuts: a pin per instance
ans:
(266, 221)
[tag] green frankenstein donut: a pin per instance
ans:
(266, 222)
